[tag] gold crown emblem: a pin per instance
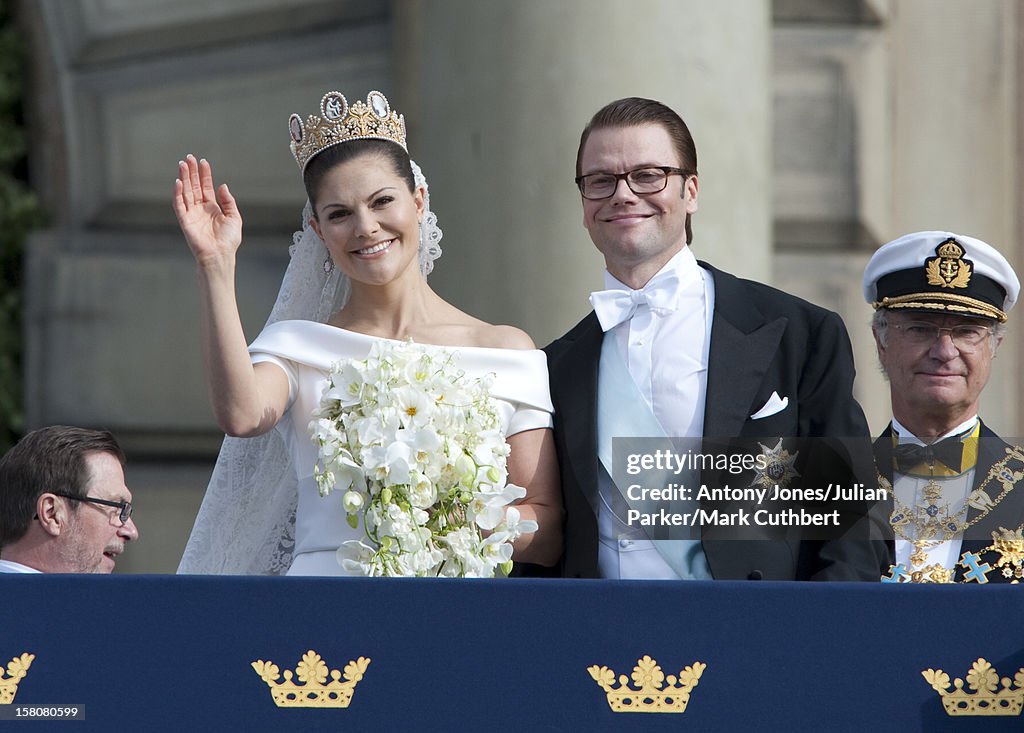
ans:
(986, 699)
(338, 122)
(948, 269)
(651, 694)
(16, 670)
(950, 248)
(315, 691)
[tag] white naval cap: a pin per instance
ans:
(941, 271)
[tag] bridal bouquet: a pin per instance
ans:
(417, 448)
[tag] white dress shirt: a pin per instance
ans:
(666, 353)
(908, 491)
(668, 350)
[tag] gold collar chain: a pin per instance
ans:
(938, 518)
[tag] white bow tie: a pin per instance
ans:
(613, 307)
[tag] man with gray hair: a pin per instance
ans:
(941, 301)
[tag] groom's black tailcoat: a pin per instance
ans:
(762, 341)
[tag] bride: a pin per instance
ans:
(357, 275)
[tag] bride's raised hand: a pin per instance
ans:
(209, 218)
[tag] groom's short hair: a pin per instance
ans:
(636, 111)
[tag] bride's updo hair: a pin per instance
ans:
(326, 160)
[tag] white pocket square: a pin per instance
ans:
(773, 405)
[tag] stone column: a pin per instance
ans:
(496, 95)
(955, 135)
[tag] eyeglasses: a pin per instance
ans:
(124, 506)
(965, 336)
(597, 186)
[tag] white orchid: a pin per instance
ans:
(347, 387)
(422, 492)
(356, 557)
(353, 501)
(496, 550)
(426, 444)
(341, 473)
(515, 526)
(368, 430)
(489, 503)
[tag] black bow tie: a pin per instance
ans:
(948, 452)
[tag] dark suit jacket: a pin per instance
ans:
(1007, 514)
(762, 341)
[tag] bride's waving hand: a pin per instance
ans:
(246, 400)
(208, 217)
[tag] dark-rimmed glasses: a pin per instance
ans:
(965, 336)
(650, 179)
(124, 506)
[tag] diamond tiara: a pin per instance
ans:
(338, 122)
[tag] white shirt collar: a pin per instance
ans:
(16, 567)
(905, 436)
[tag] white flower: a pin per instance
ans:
(463, 541)
(496, 550)
(426, 445)
(388, 466)
(398, 459)
(422, 492)
(368, 430)
(414, 406)
(488, 505)
(347, 473)
(420, 371)
(353, 501)
(465, 469)
(355, 557)
(345, 385)
(514, 526)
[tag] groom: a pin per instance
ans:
(675, 347)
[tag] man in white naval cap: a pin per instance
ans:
(940, 302)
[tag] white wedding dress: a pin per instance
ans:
(262, 513)
(306, 350)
